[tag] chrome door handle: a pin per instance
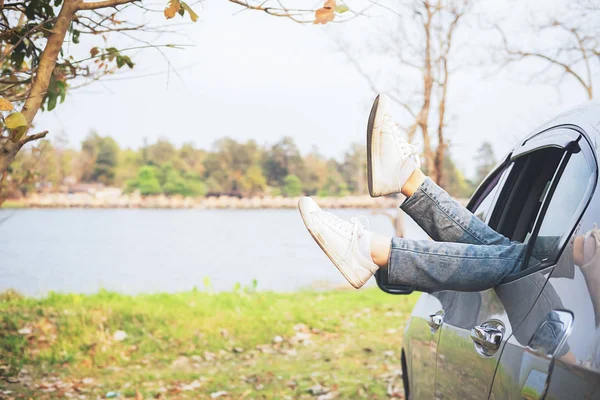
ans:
(436, 320)
(488, 337)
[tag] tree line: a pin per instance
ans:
(229, 167)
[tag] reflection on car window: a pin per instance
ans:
(567, 198)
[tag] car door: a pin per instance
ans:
(425, 325)
(458, 373)
(477, 325)
(554, 351)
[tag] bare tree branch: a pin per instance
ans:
(36, 136)
(95, 5)
(574, 55)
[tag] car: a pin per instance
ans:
(535, 335)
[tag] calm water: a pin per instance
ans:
(132, 251)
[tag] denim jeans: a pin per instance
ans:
(466, 254)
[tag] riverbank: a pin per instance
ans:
(100, 200)
(199, 345)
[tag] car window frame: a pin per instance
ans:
(581, 144)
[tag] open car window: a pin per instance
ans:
(543, 198)
(523, 194)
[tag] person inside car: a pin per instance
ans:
(465, 254)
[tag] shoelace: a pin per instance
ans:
(354, 227)
(406, 149)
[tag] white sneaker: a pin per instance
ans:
(390, 158)
(338, 239)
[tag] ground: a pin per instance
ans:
(201, 345)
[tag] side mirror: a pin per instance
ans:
(381, 276)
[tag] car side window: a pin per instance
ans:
(544, 195)
(570, 195)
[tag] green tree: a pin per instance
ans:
(316, 172)
(106, 161)
(485, 159)
(192, 158)
(193, 188)
(253, 181)
(128, 163)
(146, 182)
(170, 180)
(213, 186)
(335, 185)
(354, 168)
(161, 152)
(87, 157)
(281, 160)
(455, 182)
(216, 173)
(229, 161)
(292, 186)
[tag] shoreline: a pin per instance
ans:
(80, 200)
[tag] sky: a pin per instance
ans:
(247, 75)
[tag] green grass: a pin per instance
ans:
(193, 344)
(13, 204)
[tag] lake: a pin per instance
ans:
(140, 250)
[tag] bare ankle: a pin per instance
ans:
(380, 249)
(412, 184)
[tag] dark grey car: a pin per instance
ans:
(537, 334)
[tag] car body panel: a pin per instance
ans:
(462, 371)
(421, 347)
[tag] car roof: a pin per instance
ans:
(586, 116)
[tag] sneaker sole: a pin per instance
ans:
(373, 134)
(317, 238)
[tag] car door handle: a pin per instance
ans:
(488, 337)
(436, 320)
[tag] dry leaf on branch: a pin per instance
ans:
(5, 105)
(326, 13)
(172, 8)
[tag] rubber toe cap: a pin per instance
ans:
(308, 205)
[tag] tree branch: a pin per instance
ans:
(94, 5)
(371, 82)
(31, 138)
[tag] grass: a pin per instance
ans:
(196, 344)
(12, 204)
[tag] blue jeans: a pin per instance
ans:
(466, 254)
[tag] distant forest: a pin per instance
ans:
(229, 167)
